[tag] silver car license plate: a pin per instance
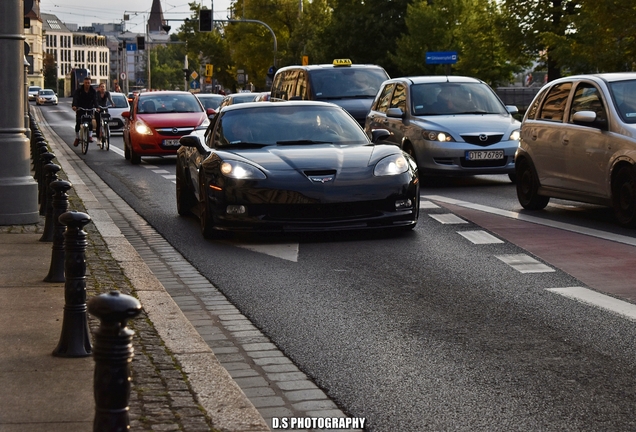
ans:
(484, 154)
(171, 143)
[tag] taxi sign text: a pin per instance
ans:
(342, 62)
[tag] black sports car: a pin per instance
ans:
(293, 166)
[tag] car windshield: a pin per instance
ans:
(450, 98)
(168, 103)
(246, 97)
(120, 100)
(624, 95)
(282, 124)
(46, 92)
(346, 82)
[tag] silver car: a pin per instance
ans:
(116, 122)
(451, 125)
(46, 96)
(578, 142)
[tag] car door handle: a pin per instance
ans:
(565, 141)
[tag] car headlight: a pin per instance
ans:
(242, 171)
(433, 135)
(142, 128)
(205, 123)
(391, 165)
(515, 135)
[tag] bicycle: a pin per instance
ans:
(104, 129)
(85, 127)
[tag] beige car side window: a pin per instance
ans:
(587, 98)
(554, 104)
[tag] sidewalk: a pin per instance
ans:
(177, 382)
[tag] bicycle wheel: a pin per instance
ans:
(106, 136)
(84, 138)
(100, 141)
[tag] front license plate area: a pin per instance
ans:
(474, 155)
(171, 143)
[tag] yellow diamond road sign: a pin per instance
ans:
(194, 74)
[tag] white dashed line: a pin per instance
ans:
(602, 301)
(428, 205)
(448, 218)
(160, 171)
(524, 263)
(480, 237)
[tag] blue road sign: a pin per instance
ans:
(195, 84)
(441, 57)
(131, 46)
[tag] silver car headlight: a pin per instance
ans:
(241, 171)
(515, 135)
(391, 165)
(433, 135)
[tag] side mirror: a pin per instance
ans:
(210, 112)
(395, 113)
(125, 114)
(588, 118)
(378, 135)
(512, 109)
(193, 141)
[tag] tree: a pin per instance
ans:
(50, 72)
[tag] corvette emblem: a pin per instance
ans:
(321, 179)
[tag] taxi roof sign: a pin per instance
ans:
(342, 62)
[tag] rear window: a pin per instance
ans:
(346, 82)
(120, 101)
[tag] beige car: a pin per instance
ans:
(578, 142)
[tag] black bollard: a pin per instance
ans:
(39, 162)
(46, 158)
(113, 353)
(74, 340)
(36, 135)
(50, 171)
(60, 205)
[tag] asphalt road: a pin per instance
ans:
(424, 331)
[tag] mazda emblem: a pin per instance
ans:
(483, 137)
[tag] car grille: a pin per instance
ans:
(477, 139)
(175, 132)
(483, 163)
(321, 212)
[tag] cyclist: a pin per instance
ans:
(84, 97)
(103, 100)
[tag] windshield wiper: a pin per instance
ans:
(242, 144)
(304, 142)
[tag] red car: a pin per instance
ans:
(157, 120)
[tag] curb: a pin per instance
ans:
(223, 400)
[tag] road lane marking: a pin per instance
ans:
(479, 237)
(602, 301)
(524, 263)
(537, 220)
(428, 205)
(286, 251)
(448, 218)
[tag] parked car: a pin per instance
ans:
(157, 120)
(578, 142)
(352, 86)
(451, 125)
(33, 92)
(295, 166)
(117, 120)
(46, 97)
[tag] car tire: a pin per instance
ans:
(528, 187)
(408, 149)
(185, 197)
(135, 159)
(513, 177)
(624, 196)
(206, 218)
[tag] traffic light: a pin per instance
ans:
(205, 20)
(209, 69)
(141, 42)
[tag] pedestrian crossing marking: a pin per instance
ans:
(524, 263)
(448, 218)
(479, 237)
(602, 301)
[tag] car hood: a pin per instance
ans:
(467, 124)
(314, 157)
(173, 119)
